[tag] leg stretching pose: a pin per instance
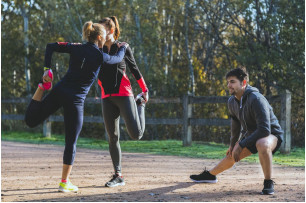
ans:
(118, 98)
(71, 91)
(254, 128)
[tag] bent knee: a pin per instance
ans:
(263, 146)
(30, 122)
(137, 136)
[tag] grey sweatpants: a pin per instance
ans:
(134, 117)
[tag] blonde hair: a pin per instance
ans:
(92, 30)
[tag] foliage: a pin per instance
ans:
(175, 43)
(207, 150)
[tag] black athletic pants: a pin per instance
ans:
(38, 111)
(134, 117)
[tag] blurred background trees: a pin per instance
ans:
(180, 46)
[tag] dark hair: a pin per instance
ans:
(91, 31)
(240, 73)
(111, 23)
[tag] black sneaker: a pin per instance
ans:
(268, 187)
(115, 181)
(204, 177)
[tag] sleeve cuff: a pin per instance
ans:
(242, 144)
(123, 47)
(142, 84)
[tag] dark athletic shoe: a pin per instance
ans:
(204, 177)
(139, 99)
(268, 187)
(115, 181)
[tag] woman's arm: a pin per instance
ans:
(130, 61)
(63, 47)
(115, 58)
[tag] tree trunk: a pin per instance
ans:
(139, 37)
(75, 27)
(24, 13)
(191, 87)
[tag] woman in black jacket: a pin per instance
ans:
(118, 98)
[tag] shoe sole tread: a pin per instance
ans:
(63, 190)
(204, 181)
(117, 184)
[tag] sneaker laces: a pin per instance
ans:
(205, 171)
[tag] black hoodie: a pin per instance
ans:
(253, 117)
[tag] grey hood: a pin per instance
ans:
(248, 90)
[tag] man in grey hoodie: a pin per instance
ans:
(254, 128)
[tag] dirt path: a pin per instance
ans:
(31, 172)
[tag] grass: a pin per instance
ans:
(166, 147)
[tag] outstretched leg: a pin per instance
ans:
(224, 164)
(229, 161)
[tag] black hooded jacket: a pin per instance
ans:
(252, 117)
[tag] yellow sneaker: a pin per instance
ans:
(67, 187)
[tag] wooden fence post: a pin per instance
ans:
(187, 132)
(286, 122)
(47, 128)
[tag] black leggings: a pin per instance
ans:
(38, 111)
(134, 118)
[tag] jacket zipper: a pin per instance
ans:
(242, 112)
(83, 63)
(116, 77)
(117, 71)
(108, 54)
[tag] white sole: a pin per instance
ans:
(67, 191)
(118, 184)
(272, 193)
(204, 181)
(63, 190)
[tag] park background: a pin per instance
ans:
(181, 47)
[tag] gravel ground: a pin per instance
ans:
(31, 172)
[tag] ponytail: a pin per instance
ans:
(87, 28)
(117, 30)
